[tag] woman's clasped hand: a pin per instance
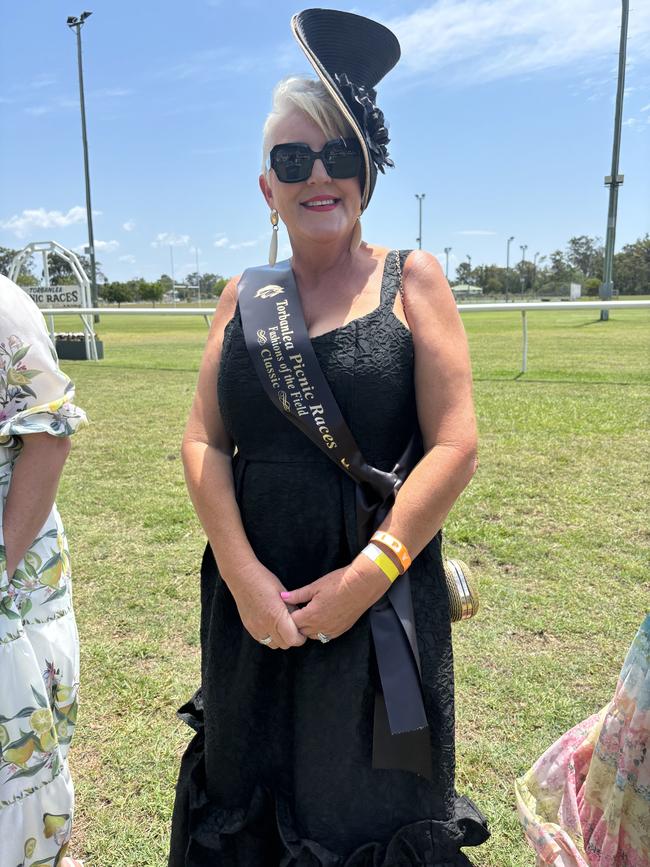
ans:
(261, 609)
(328, 606)
(333, 603)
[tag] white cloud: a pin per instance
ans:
(69, 102)
(631, 121)
(223, 242)
(130, 260)
(107, 246)
(490, 39)
(170, 239)
(114, 91)
(44, 79)
(100, 247)
(37, 110)
(55, 105)
(242, 244)
(208, 65)
(476, 232)
(39, 218)
(645, 107)
(129, 226)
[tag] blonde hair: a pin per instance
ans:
(310, 96)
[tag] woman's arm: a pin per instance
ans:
(443, 390)
(34, 482)
(443, 387)
(207, 454)
(207, 459)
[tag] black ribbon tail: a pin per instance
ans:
(410, 751)
(401, 729)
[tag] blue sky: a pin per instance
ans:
(500, 111)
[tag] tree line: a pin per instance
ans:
(207, 285)
(114, 291)
(581, 261)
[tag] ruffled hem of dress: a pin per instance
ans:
(60, 418)
(213, 833)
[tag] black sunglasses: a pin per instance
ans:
(293, 162)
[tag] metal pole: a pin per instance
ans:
(524, 348)
(420, 197)
(171, 254)
(77, 24)
(510, 239)
(198, 276)
(469, 273)
(523, 248)
(447, 252)
(46, 281)
(614, 180)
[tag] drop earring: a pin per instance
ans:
(273, 249)
(355, 241)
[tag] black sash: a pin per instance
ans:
(283, 357)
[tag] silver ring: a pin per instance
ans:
(322, 637)
(266, 640)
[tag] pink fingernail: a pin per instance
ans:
(285, 594)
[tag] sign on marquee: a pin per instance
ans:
(55, 296)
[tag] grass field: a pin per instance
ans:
(554, 523)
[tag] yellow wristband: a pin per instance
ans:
(392, 544)
(382, 560)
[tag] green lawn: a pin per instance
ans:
(554, 523)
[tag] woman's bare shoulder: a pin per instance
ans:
(422, 267)
(227, 303)
(427, 295)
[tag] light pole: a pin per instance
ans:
(198, 276)
(447, 252)
(510, 240)
(523, 248)
(614, 180)
(171, 256)
(420, 197)
(535, 269)
(76, 24)
(469, 273)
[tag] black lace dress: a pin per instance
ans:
(279, 772)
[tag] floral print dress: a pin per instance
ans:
(586, 801)
(39, 650)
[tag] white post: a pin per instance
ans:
(524, 348)
(89, 337)
(198, 276)
(46, 279)
(171, 256)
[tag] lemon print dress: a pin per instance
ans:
(39, 650)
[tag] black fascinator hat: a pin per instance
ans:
(351, 54)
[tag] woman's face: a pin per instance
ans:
(305, 220)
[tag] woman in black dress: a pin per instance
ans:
(293, 763)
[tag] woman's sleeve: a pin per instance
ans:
(35, 395)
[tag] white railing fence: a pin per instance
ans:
(524, 307)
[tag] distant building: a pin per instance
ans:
(465, 290)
